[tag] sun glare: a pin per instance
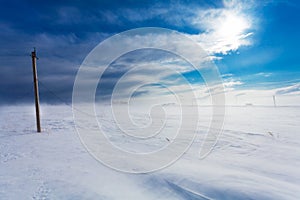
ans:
(233, 26)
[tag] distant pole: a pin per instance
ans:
(274, 100)
(36, 91)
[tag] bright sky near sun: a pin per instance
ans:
(253, 43)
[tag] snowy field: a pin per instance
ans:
(257, 157)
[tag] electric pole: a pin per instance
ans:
(274, 101)
(36, 91)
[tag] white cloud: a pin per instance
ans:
(221, 30)
(232, 83)
(290, 90)
(226, 75)
(264, 74)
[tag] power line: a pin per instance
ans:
(63, 100)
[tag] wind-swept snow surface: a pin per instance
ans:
(256, 157)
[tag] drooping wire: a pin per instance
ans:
(62, 100)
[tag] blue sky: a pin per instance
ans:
(254, 44)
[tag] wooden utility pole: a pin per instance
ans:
(36, 91)
(274, 101)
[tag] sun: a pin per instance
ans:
(233, 26)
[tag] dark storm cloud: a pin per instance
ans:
(64, 32)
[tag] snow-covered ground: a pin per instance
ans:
(256, 157)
